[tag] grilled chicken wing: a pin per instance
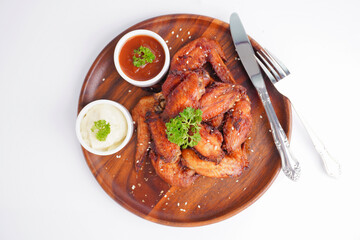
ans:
(209, 147)
(144, 105)
(218, 99)
(167, 151)
(187, 93)
(173, 173)
(230, 166)
(237, 125)
(216, 122)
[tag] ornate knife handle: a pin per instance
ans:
(289, 164)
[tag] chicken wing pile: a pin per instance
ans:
(226, 118)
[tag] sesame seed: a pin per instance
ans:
(198, 206)
(130, 90)
(182, 39)
(178, 204)
(200, 47)
(140, 144)
(183, 210)
(219, 64)
(143, 200)
(237, 180)
(189, 37)
(252, 150)
(269, 130)
(215, 149)
(208, 140)
(215, 96)
(232, 128)
(249, 137)
(172, 32)
(260, 116)
(185, 203)
(169, 48)
(180, 29)
(167, 41)
(188, 32)
(244, 189)
(177, 35)
(166, 203)
(139, 184)
(133, 187)
(103, 79)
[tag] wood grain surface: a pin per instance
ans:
(209, 200)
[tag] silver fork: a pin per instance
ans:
(276, 70)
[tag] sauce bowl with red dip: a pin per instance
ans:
(142, 58)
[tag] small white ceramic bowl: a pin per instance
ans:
(129, 121)
(121, 43)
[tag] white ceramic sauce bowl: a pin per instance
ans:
(142, 32)
(123, 110)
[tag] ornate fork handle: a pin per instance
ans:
(332, 166)
(289, 164)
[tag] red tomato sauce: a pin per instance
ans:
(147, 71)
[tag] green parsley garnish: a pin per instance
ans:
(103, 129)
(183, 130)
(142, 56)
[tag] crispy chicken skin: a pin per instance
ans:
(209, 147)
(218, 99)
(193, 56)
(173, 173)
(186, 94)
(237, 125)
(230, 166)
(226, 118)
(216, 122)
(167, 151)
(144, 105)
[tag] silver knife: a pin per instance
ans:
(289, 164)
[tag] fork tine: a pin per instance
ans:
(267, 72)
(283, 67)
(273, 63)
(268, 65)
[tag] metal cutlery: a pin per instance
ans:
(289, 164)
(276, 71)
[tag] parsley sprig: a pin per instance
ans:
(183, 130)
(102, 128)
(142, 55)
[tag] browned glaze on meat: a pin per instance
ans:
(230, 166)
(167, 151)
(186, 94)
(226, 118)
(193, 56)
(173, 173)
(145, 104)
(237, 125)
(218, 99)
(209, 147)
(216, 122)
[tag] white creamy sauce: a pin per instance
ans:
(118, 127)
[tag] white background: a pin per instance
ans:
(48, 192)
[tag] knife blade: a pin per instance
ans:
(289, 163)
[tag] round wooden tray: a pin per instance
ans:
(209, 200)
